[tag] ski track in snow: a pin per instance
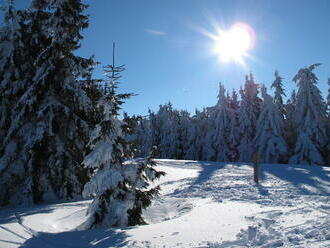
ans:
(202, 204)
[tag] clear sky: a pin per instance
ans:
(168, 58)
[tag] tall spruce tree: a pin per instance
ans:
(222, 126)
(183, 127)
(328, 98)
(192, 149)
(141, 136)
(209, 149)
(196, 134)
(167, 121)
(15, 75)
(309, 119)
(51, 117)
(14, 70)
(155, 134)
(279, 93)
(233, 138)
(290, 134)
(120, 186)
(269, 141)
(327, 149)
(248, 114)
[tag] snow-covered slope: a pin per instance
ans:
(202, 204)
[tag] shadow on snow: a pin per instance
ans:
(302, 179)
(300, 176)
(96, 238)
(7, 213)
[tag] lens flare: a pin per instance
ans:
(234, 44)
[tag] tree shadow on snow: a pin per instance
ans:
(7, 214)
(96, 238)
(307, 180)
(262, 177)
(207, 171)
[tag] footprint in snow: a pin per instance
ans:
(268, 222)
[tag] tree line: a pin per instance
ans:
(296, 131)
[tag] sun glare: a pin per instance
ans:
(234, 44)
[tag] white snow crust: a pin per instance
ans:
(202, 204)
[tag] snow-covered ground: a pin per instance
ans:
(202, 204)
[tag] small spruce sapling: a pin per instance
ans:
(120, 185)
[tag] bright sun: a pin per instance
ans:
(234, 44)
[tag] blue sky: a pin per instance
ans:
(167, 58)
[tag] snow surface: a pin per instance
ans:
(202, 204)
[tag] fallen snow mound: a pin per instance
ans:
(202, 204)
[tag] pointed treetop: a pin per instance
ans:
(251, 77)
(112, 72)
(222, 94)
(279, 92)
(113, 54)
(278, 86)
(113, 66)
(249, 80)
(312, 67)
(278, 78)
(10, 3)
(263, 90)
(234, 103)
(328, 98)
(307, 71)
(10, 11)
(277, 75)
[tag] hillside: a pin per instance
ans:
(202, 204)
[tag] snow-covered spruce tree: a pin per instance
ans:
(328, 98)
(279, 93)
(119, 185)
(166, 124)
(222, 126)
(195, 135)
(209, 149)
(155, 135)
(50, 120)
(141, 136)
(327, 150)
(191, 152)
(248, 114)
(309, 119)
(269, 141)
(14, 69)
(290, 133)
(233, 138)
(183, 127)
